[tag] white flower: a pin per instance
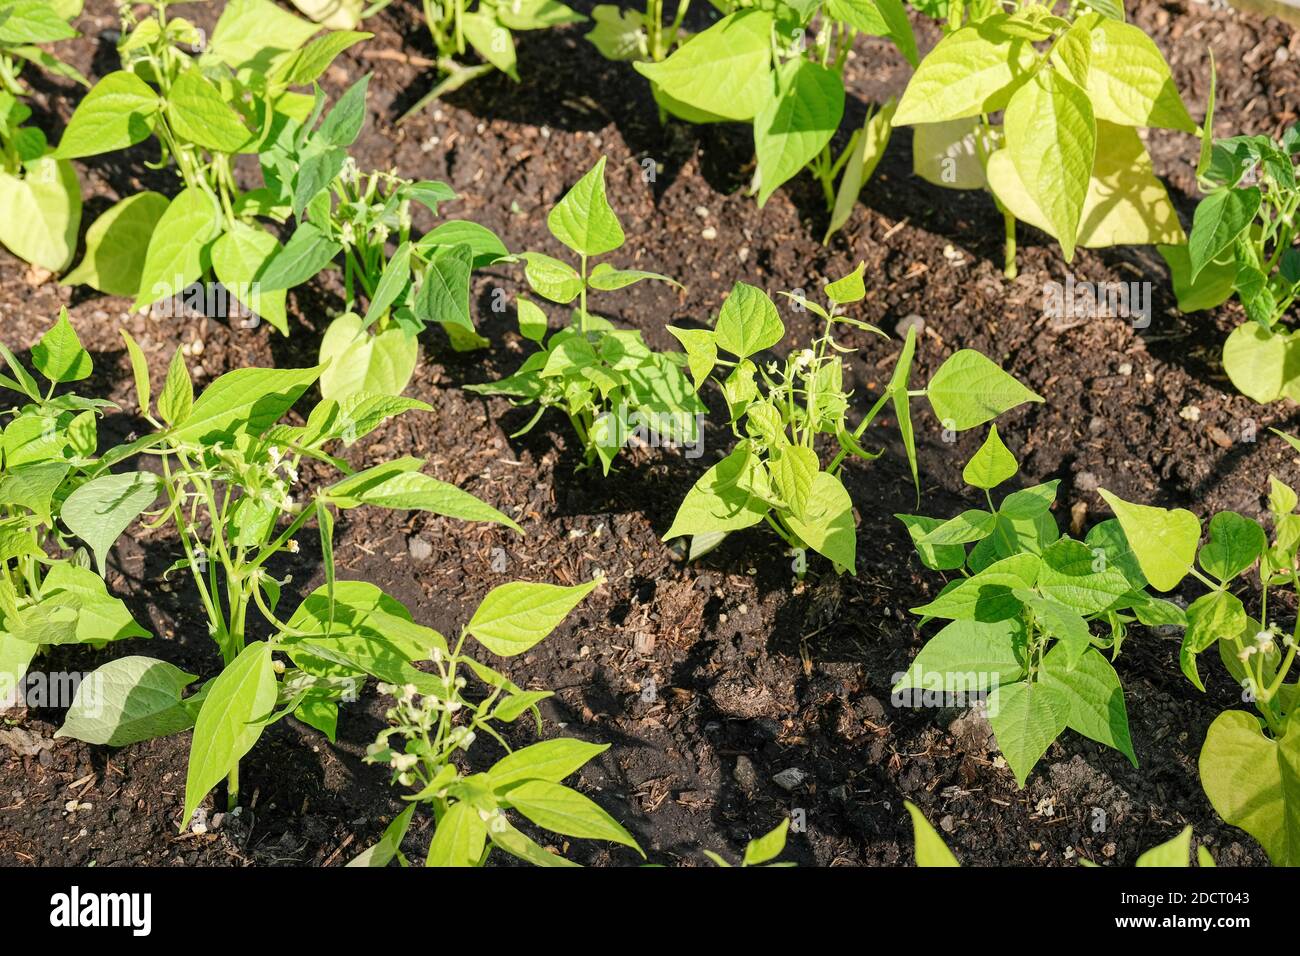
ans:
(403, 762)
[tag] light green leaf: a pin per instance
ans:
(792, 127)
(729, 496)
(119, 111)
(1026, 718)
(515, 616)
(129, 700)
(59, 355)
(583, 219)
(247, 400)
(1235, 543)
(767, 847)
(551, 760)
(415, 491)
(1096, 699)
(986, 596)
(829, 528)
(1172, 853)
(257, 34)
(459, 839)
(748, 322)
(1051, 138)
(116, 245)
(1220, 218)
(724, 71)
(1163, 541)
(232, 718)
(992, 464)
(550, 278)
(1129, 82)
(1076, 576)
(866, 151)
(1263, 364)
(198, 114)
(969, 390)
(42, 213)
(930, 848)
(618, 34)
(358, 362)
(177, 398)
(971, 525)
(101, 509)
(563, 810)
(175, 256)
(969, 657)
(1254, 782)
(237, 258)
(973, 70)
(491, 40)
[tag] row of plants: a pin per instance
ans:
(976, 103)
(222, 472)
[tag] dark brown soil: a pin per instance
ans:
(749, 672)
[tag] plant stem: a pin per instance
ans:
(1009, 256)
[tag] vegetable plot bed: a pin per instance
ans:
(732, 693)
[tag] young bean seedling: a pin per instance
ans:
(607, 380)
(435, 721)
(229, 472)
(1073, 91)
(757, 65)
(778, 410)
(47, 451)
(39, 194)
(1244, 243)
(1022, 613)
(342, 212)
(1249, 760)
(204, 111)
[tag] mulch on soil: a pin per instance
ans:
(708, 680)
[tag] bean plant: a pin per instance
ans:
(758, 65)
(435, 720)
(204, 110)
(1244, 244)
(47, 452)
(488, 28)
(608, 382)
(760, 851)
(1073, 90)
(344, 213)
(39, 194)
(779, 409)
(228, 476)
(1035, 618)
(1250, 759)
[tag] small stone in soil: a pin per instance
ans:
(790, 778)
(909, 322)
(745, 775)
(420, 547)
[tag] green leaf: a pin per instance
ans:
(100, 616)
(59, 355)
(1051, 137)
(767, 847)
(1026, 718)
(310, 63)
(1263, 364)
(247, 400)
(972, 70)
(934, 556)
(851, 288)
(992, 464)
(1220, 218)
(986, 596)
(618, 34)
(1096, 700)
(532, 320)
(42, 213)
(878, 18)
(583, 219)
(177, 398)
(866, 151)
(389, 845)
(551, 760)
(608, 279)
(198, 114)
(1254, 782)
(971, 525)
(969, 657)
(930, 848)
(1129, 82)
(342, 124)
(485, 243)
(792, 127)
(563, 810)
(550, 278)
(729, 496)
(444, 296)
(1211, 617)
(794, 470)
(237, 258)
(1078, 577)
(232, 717)
(308, 251)
(415, 491)
(30, 21)
(119, 111)
(515, 616)
(969, 390)
(724, 71)
(116, 245)
(492, 41)
(1172, 853)
(257, 34)
(536, 14)
(101, 509)
(392, 281)
(1214, 284)
(828, 527)
(129, 700)
(358, 362)
(175, 255)
(748, 322)
(1164, 542)
(1235, 543)
(459, 839)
